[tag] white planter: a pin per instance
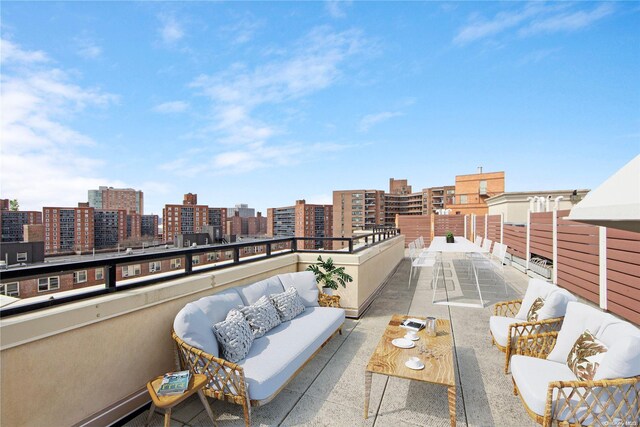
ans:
(327, 291)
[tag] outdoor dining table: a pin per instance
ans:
(460, 245)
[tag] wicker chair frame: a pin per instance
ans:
(520, 329)
(226, 379)
(599, 403)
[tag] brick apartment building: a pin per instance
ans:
(12, 223)
(68, 229)
(257, 225)
(302, 220)
(132, 201)
(149, 225)
(473, 190)
(183, 219)
(356, 210)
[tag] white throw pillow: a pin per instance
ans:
(536, 288)
(234, 336)
(288, 304)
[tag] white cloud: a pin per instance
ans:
(9, 52)
(532, 19)
(171, 30)
(88, 49)
(171, 107)
(336, 8)
(313, 65)
(38, 145)
(243, 31)
(569, 21)
(372, 119)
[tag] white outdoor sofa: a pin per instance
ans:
(273, 359)
(510, 317)
(551, 392)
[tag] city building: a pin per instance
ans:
(149, 225)
(472, 192)
(132, 201)
(513, 206)
(12, 253)
(357, 210)
(257, 225)
(12, 223)
(134, 226)
(400, 200)
(243, 210)
(110, 227)
(68, 229)
(184, 219)
(302, 220)
(190, 199)
(218, 221)
(436, 198)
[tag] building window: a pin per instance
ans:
(463, 199)
(131, 270)
(176, 263)
(80, 276)
(22, 256)
(99, 273)
(195, 260)
(483, 187)
(10, 289)
(48, 283)
(154, 266)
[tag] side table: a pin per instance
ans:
(196, 383)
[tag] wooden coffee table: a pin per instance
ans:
(389, 360)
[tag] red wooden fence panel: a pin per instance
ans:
(541, 242)
(414, 226)
(578, 255)
(480, 226)
(493, 227)
(515, 237)
(446, 223)
(623, 274)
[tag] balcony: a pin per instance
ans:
(93, 357)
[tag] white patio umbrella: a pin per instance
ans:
(615, 203)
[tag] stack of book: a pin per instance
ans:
(174, 383)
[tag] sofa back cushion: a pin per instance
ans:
(216, 306)
(252, 293)
(194, 328)
(305, 284)
(536, 288)
(555, 305)
(623, 357)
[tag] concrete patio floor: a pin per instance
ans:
(329, 391)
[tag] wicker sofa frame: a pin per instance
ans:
(226, 379)
(520, 329)
(580, 399)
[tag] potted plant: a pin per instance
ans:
(328, 275)
(449, 237)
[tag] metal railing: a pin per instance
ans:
(272, 248)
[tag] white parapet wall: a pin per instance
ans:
(87, 362)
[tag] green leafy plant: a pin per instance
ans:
(449, 235)
(328, 274)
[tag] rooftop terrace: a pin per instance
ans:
(330, 389)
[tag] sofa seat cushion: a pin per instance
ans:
(252, 293)
(533, 375)
(276, 356)
(499, 327)
(306, 285)
(555, 304)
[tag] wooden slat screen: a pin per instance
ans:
(480, 226)
(414, 226)
(578, 258)
(623, 274)
(493, 228)
(515, 237)
(446, 223)
(542, 234)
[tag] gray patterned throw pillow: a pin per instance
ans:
(261, 315)
(234, 336)
(288, 304)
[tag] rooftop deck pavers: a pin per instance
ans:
(329, 391)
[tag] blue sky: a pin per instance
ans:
(265, 103)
